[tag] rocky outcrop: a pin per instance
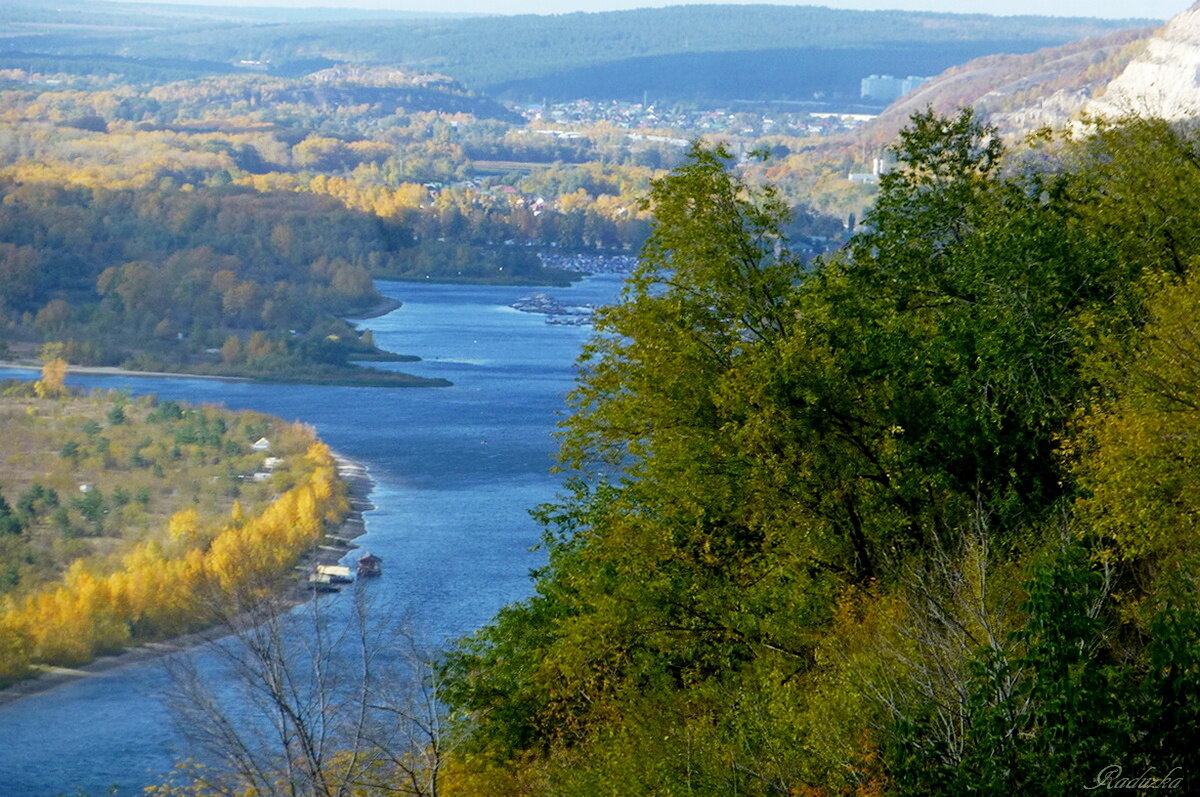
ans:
(1164, 80)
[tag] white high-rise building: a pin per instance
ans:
(888, 88)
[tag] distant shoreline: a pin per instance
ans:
(112, 370)
(392, 379)
(380, 308)
(359, 485)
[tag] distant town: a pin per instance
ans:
(791, 118)
(743, 119)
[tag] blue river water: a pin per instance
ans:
(456, 470)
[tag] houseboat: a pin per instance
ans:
(369, 566)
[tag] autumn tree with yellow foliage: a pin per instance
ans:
(157, 593)
(53, 381)
(134, 554)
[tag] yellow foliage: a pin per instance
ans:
(477, 776)
(154, 594)
(381, 200)
(184, 527)
(1142, 474)
(53, 381)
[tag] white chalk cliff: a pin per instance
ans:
(1164, 80)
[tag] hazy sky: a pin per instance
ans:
(1092, 8)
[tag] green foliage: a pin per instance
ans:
(165, 411)
(91, 506)
(116, 416)
(1053, 711)
(10, 521)
(642, 588)
(1140, 469)
(62, 521)
(36, 501)
(1170, 714)
(806, 540)
(70, 450)
(710, 288)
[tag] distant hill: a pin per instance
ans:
(1019, 93)
(137, 70)
(98, 12)
(773, 51)
(719, 52)
(383, 90)
(786, 73)
(1149, 72)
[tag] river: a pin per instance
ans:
(455, 469)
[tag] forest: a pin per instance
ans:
(226, 224)
(916, 519)
(219, 281)
(534, 56)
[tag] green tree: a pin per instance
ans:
(1045, 713)
(116, 415)
(10, 522)
(35, 501)
(70, 450)
(656, 561)
(755, 441)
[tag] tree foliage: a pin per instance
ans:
(135, 556)
(850, 527)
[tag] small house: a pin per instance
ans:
(319, 582)
(335, 574)
(369, 566)
(261, 444)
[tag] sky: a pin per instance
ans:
(1161, 9)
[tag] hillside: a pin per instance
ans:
(377, 92)
(916, 520)
(1162, 80)
(794, 73)
(1150, 72)
(1019, 93)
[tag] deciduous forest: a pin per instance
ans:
(913, 520)
(225, 225)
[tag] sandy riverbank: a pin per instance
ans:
(359, 485)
